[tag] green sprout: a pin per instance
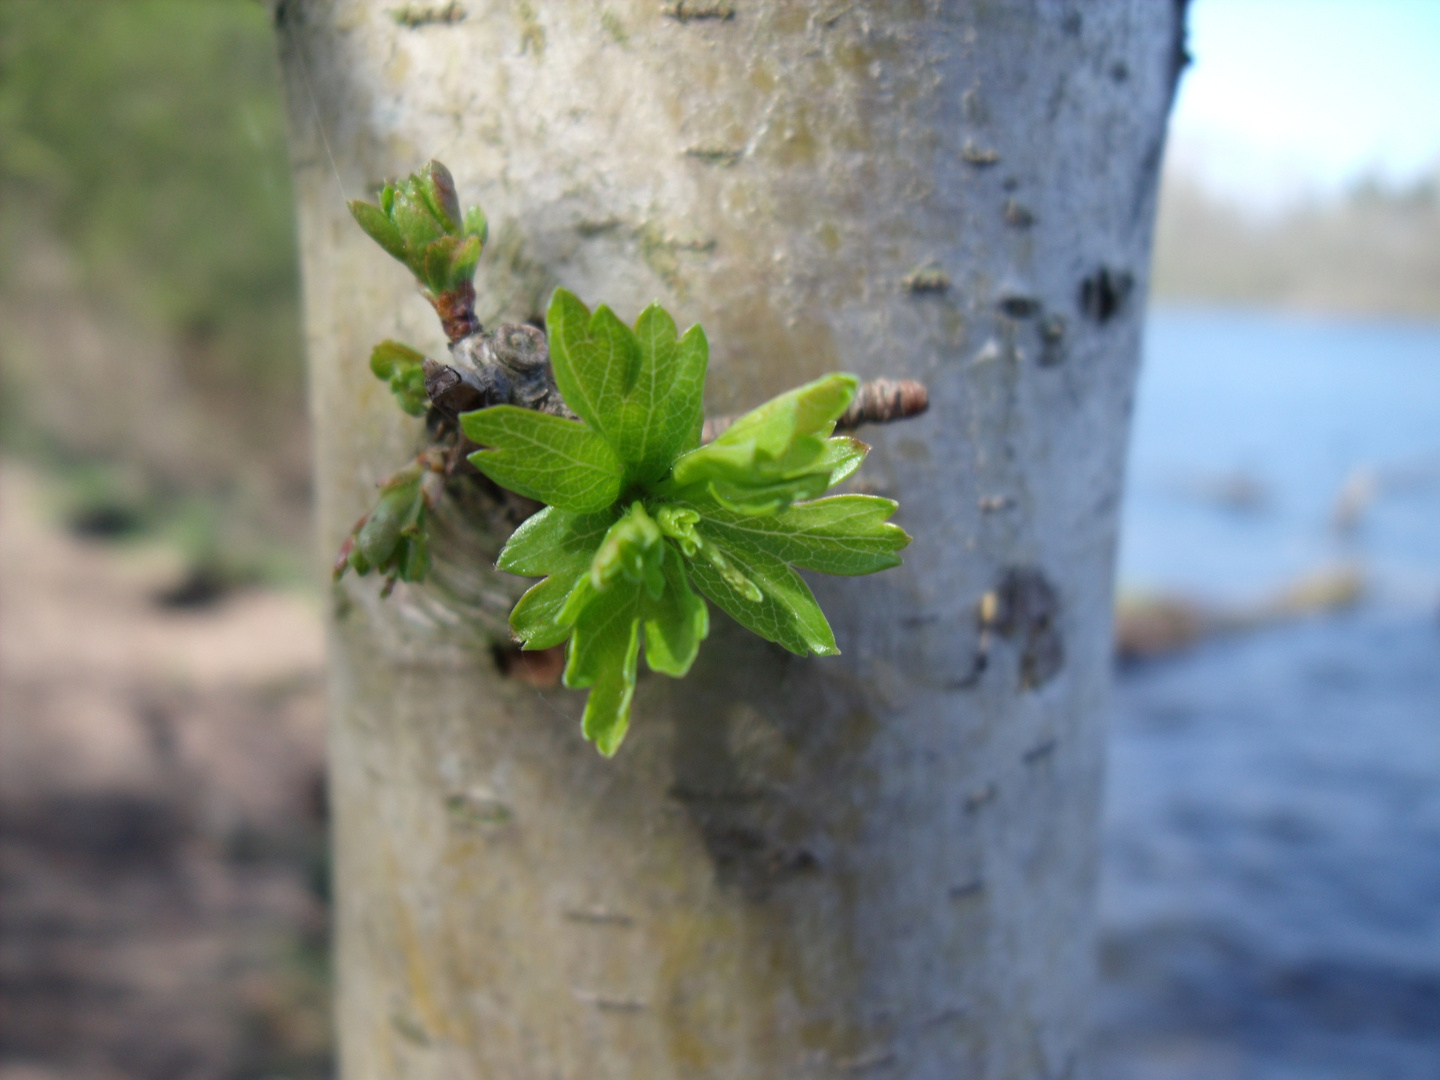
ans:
(419, 222)
(402, 367)
(641, 521)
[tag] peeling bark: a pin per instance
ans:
(880, 864)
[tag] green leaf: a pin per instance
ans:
(676, 622)
(549, 458)
(603, 656)
(843, 455)
(413, 554)
(640, 388)
(401, 503)
(450, 262)
(678, 522)
(417, 225)
(843, 534)
(604, 650)
(603, 591)
(777, 454)
(463, 261)
(438, 188)
(663, 406)
(811, 409)
(553, 541)
(632, 549)
(760, 499)
(733, 479)
(595, 359)
(410, 392)
(785, 613)
(391, 356)
(379, 227)
(358, 562)
(536, 619)
(393, 537)
(476, 224)
(563, 546)
(438, 255)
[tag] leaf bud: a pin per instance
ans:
(438, 187)
(476, 224)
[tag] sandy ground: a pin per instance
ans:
(162, 839)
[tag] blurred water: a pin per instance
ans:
(1271, 893)
(1289, 408)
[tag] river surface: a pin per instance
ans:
(1271, 890)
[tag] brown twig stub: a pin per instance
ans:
(448, 391)
(882, 400)
(876, 402)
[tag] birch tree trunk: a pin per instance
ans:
(882, 864)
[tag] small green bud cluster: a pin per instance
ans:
(419, 222)
(392, 537)
(403, 368)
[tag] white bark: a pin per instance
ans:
(882, 864)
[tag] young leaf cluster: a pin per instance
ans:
(419, 222)
(642, 521)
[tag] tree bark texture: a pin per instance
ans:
(882, 864)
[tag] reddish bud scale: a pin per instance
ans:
(456, 309)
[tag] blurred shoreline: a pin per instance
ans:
(1149, 626)
(1372, 252)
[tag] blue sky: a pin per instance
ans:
(1295, 97)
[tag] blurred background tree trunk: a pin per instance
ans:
(879, 864)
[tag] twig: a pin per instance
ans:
(879, 401)
(882, 400)
(456, 310)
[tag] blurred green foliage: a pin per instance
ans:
(149, 287)
(148, 135)
(151, 357)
